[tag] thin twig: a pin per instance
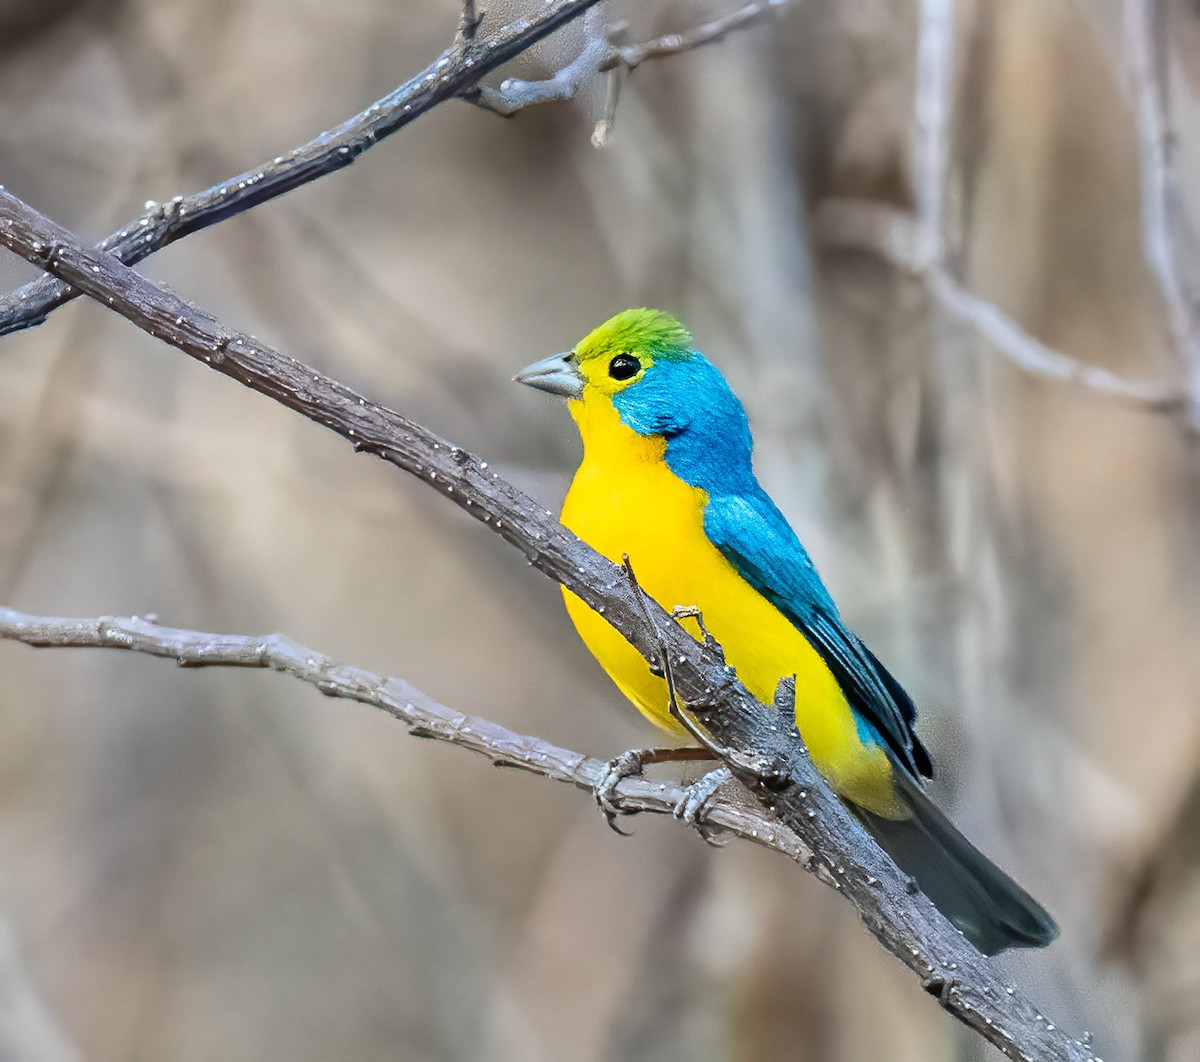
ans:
(602, 131)
(780, 773)
(632, 56)
(423, 715)
(454, 72)
(468, 21)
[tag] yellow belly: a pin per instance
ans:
(640, 508)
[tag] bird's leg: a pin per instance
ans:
(629, 765)
(681, 612)
(693, 806)
(662, 667)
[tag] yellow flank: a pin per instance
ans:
(625, 499)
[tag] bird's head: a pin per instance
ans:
(642, 365)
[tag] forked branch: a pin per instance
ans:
(602, 54)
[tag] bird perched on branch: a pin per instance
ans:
(666, 479)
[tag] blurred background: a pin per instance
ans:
(214, 864)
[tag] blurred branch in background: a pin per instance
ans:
(892, 234)
(768, 759)
(1033, 356)
(1164, 226)
(925, 255)
(1153, 927)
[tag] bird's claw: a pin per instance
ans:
(693, 806)
(628, 765)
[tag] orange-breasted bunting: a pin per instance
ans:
(666, 478)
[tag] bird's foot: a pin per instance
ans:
(682, 612)
(628, 765)
(693, 806)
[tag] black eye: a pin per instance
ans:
(623, 366)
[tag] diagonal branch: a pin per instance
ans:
(455, 71)
(423, 716)
(771, 760)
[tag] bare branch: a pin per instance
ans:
(454, 72)
(423, 716)
(771, 760)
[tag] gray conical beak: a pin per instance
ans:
(556, 374)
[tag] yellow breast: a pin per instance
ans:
(626, 500)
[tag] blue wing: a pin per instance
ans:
(756, 539)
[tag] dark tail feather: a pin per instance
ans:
(990, 909)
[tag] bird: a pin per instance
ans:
(666, 480)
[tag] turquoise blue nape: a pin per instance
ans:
(687, 401)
